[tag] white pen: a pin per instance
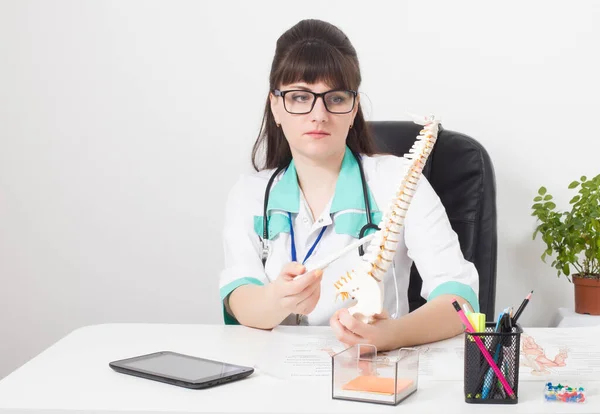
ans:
(354, 245)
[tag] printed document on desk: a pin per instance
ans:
(443, 360)
(299, 352)
(304, 352)
(548, 354)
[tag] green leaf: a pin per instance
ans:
(573, 236)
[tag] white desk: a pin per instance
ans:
(567, 318)
(73, 376)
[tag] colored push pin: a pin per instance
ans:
(564, 393)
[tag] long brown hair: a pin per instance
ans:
(311, 51)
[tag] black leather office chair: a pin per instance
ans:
(461, 172)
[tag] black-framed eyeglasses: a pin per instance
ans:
(298, 101)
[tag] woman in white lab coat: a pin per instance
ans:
(314, 140)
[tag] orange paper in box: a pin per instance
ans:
(377, 385)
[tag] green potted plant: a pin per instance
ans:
(574, 238)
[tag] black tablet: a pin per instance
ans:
(182, 370)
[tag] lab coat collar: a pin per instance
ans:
(348, 200)
(285, 194)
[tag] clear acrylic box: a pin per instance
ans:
(359, 374)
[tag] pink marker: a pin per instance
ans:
(483, 350)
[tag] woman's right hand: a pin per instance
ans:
(298, 296)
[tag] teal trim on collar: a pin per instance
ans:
(285, 194)
(276, 222)
(457, 288)
(348, 189)
(349, 196)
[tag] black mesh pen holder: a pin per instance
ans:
(481, 383)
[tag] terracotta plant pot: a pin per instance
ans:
(587, 295)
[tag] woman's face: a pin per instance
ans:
(318, 135)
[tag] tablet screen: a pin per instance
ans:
(180, 366)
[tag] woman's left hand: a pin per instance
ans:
(351, 331)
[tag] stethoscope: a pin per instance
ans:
(363, 230)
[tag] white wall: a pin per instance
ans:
(116, 120)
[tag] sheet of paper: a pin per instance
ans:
(553, 354)
(299, 352)
(443, 360)
(546, 354)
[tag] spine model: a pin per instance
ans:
(365, 284)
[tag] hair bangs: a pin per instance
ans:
(312, 62)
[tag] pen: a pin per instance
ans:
(483, 350)
(501, 363)
(488, 382)
(507, 327)
(521, 308)
(334, 256)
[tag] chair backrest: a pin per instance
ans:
(461, 172)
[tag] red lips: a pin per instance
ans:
(318, 132)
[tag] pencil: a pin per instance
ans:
(521, 308)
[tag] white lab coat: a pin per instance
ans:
(427, 237)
